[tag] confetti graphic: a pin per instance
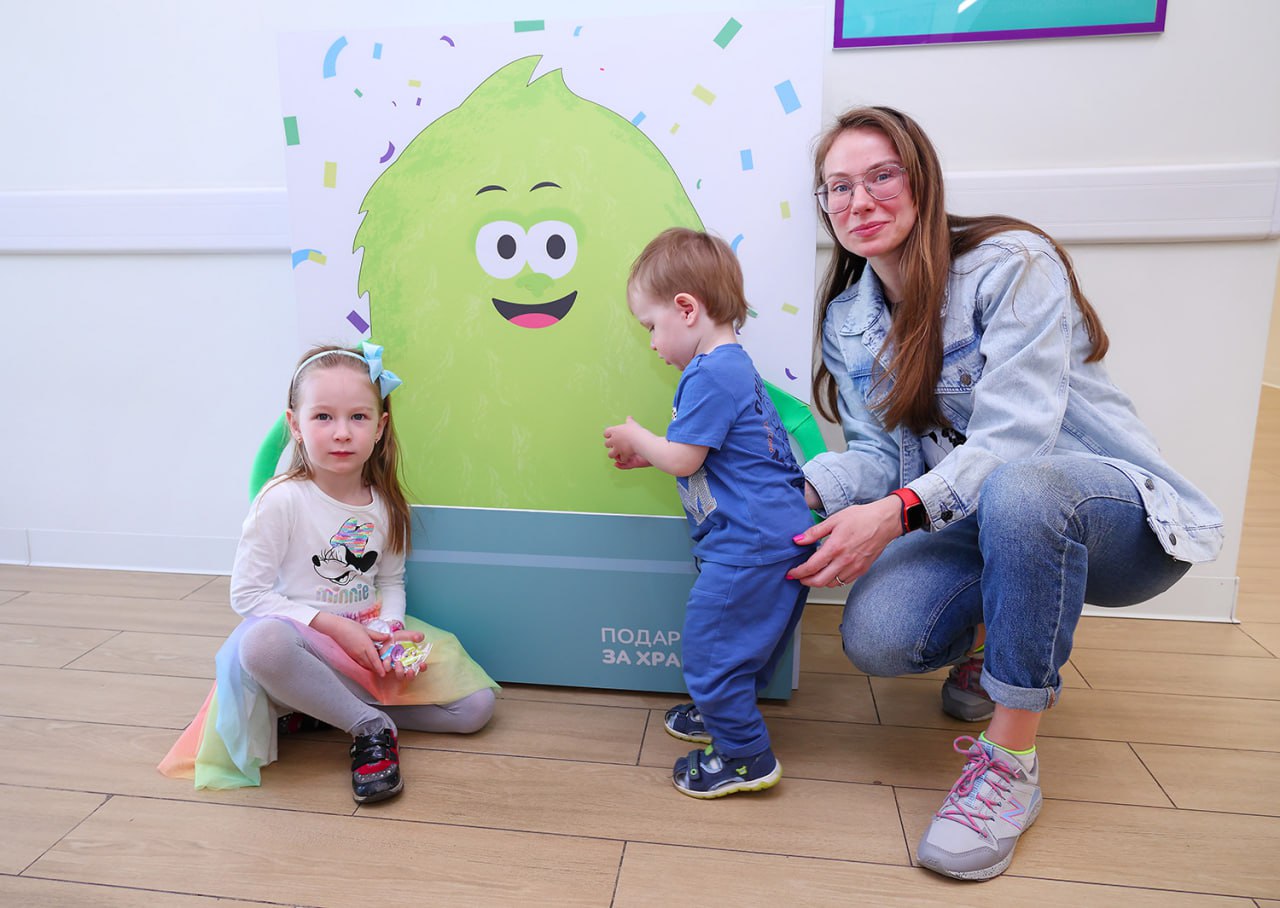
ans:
(330, 174)
(786, 209)
(736, 240)
(731, 28)
(331, 57)
(377, 51)
(359, 93)
(703, 95)
(391, 149)
(747, 162)
(308, 255)
(291, 131)
(530, 25)
(357, 322)
(637, 119)
(674, 127)
(577, 31)
(787, 95)
(448, 40)
(790, 309)
(790, 375)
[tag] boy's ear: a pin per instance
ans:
(688, 305)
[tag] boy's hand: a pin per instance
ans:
(620, 443)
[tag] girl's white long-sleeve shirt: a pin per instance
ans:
(302, 552)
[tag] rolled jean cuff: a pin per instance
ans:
(1031, 699)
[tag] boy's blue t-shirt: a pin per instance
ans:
(746, 501)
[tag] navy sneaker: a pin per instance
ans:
(375, 767)
(709, 774)
(685, 722)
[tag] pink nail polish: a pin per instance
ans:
(790, 577)
(797, 537)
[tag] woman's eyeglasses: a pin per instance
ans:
(882, 184)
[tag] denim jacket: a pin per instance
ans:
(1014, 381)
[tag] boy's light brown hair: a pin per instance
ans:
(680, 260)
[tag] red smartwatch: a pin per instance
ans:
(912, 509)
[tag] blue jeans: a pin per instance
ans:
(1048, 534)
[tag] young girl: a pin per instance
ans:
(319, 579)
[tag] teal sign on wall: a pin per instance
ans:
(877, 23)
(548, 597)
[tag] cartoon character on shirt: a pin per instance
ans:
(346, 557)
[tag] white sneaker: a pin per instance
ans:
(974, 832)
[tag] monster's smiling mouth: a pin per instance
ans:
(539, 315)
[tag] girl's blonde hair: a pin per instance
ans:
(382, 469)
(934, 242)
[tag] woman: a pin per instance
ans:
(965, 367)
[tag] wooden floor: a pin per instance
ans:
(1161, 772)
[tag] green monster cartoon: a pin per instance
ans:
(496, 251)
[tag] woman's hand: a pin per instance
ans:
(854, 538)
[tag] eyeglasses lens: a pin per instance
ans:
(882, 185)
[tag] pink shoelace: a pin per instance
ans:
(967, 675)
(997, 774)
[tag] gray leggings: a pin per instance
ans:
(298, 678)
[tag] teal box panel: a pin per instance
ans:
(542, 597)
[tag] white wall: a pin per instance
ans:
(144, 382)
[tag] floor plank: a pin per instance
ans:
(1244, 677)
(1210, 778)
(82, 582)
(35, 819)
(241, 852)
(183, 655)
(797, 816)
(1136, 634)
(26, 891)
(657, 876)
(1103, 715)
(45, 645)
(1266, 635)
(120, 699)
(122, 613)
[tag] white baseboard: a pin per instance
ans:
(131, 552)
(1091, 205)
(1191, 599)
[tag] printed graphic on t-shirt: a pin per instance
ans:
(695, 495)
(346, 558)
(938, 443)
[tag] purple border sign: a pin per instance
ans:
(886, 23)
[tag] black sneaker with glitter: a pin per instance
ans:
(375, 767)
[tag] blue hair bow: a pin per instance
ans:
(386, 380)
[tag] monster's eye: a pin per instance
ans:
(552, 248)
(498, 249)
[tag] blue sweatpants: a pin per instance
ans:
(737, 623)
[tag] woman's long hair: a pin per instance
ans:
(382, 470)
(927, 253)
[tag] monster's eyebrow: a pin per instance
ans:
(490, 187)
(545, 183)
